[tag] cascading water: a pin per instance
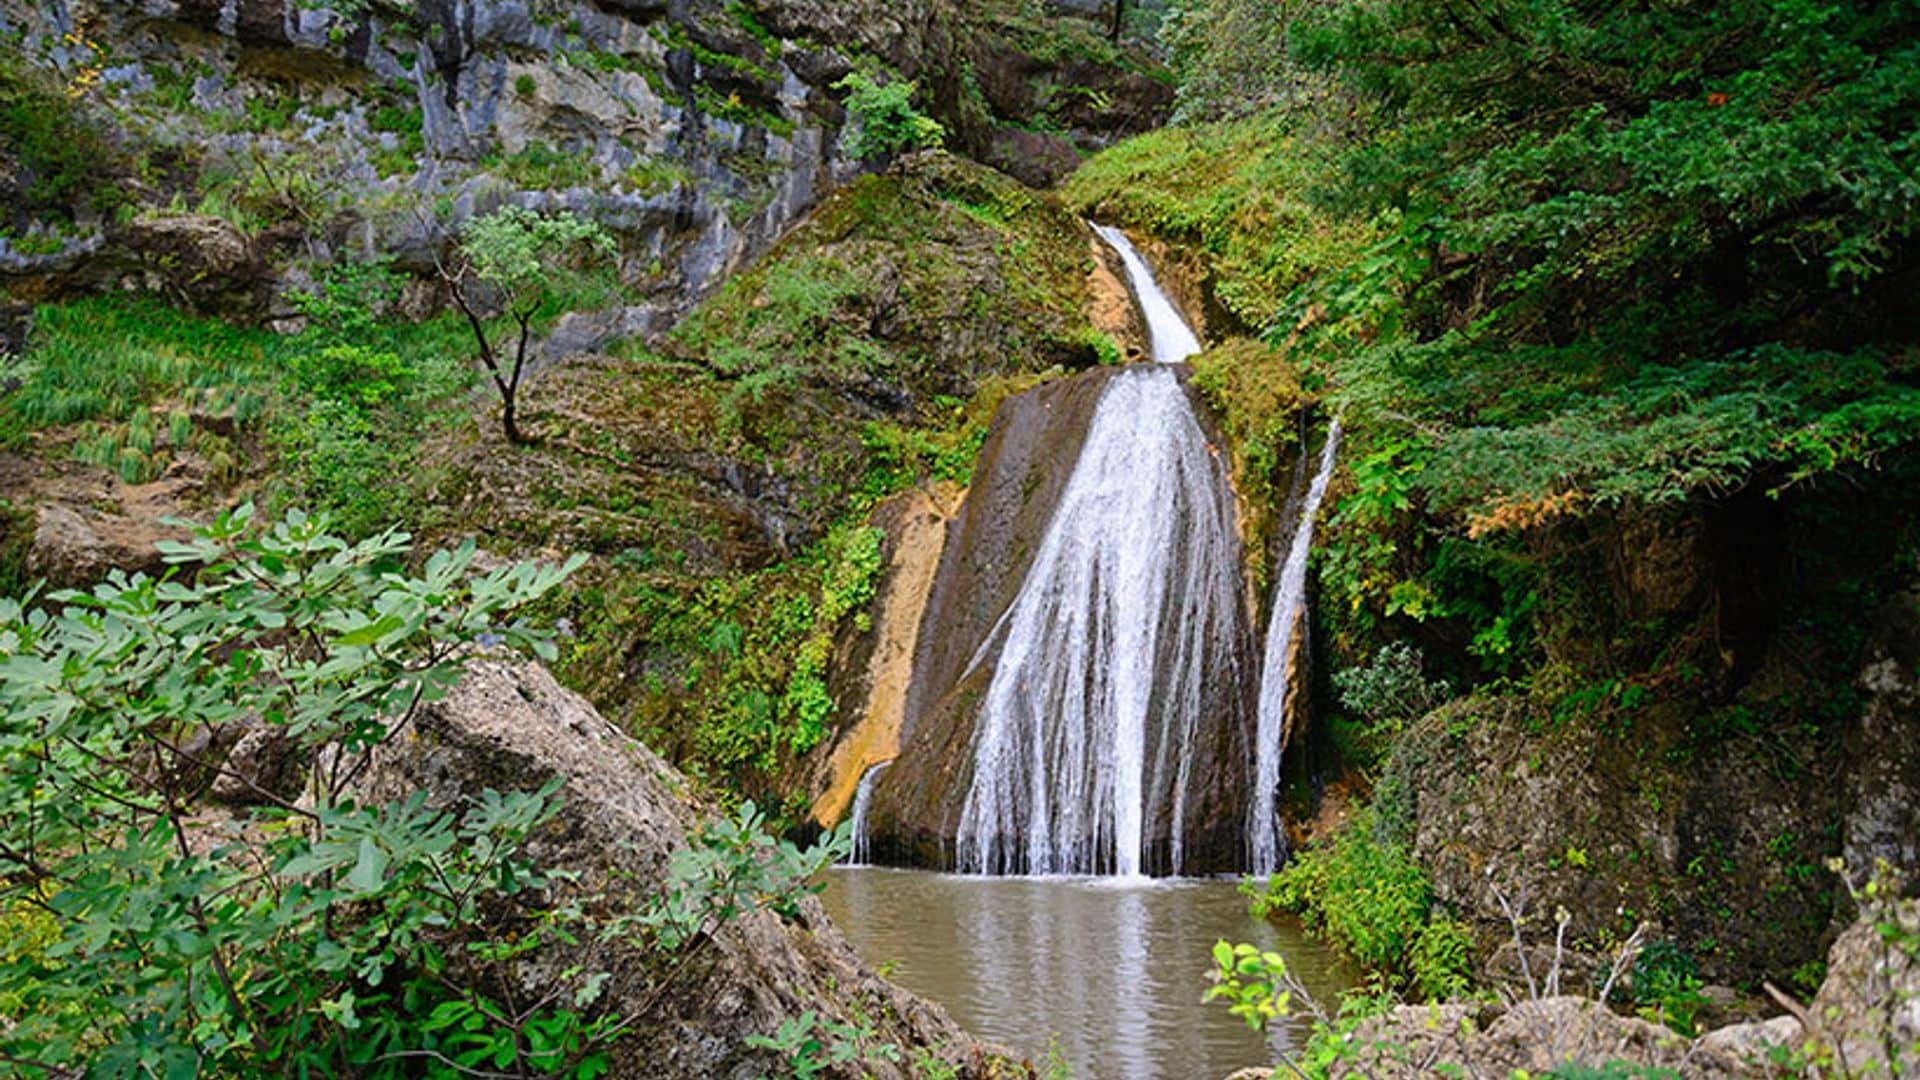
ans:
(1085, 730)
(1168, 335)
(862, 798)
(1265, 842)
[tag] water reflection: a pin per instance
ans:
(1112, 971)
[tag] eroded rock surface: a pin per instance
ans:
(696, 132)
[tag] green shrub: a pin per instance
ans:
(886, 124)
(313, 937)
(1362, 890)
(1441, 962)
(1391, 690)
(355, 374)
(62, 161)
(541, 167)
(1666, 984)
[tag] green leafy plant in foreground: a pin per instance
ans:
(310, 934)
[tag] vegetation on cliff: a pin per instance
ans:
(1613, 303)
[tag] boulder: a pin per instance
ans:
(88, 522)
(1539, 1037)
(1754, 1040)
(511, 727)
(1883, 823)
(204, 260)
(1866, 1016)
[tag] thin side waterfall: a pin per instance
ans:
(862, 851)
(1084, 731)
(1265, 842)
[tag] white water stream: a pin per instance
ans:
(1265, 841)
(862, 852)
(1084, 733)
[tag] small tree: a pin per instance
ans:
(885, 122)
(528, 265)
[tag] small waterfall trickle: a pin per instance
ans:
(1169, 337)
(862, 851)
(1265, 842)
(1086, 729)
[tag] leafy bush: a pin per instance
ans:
(1362, 890)
(1666, 983)
(1391, 690)
(1441, 962)
(354, 374)
(309, 936)
(296, 942)
(61, 161)
(886, 124)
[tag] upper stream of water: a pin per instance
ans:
(1108, 971)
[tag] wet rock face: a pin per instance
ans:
(1023, 467)
(510, 727)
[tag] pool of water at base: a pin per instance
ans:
(1106, 973)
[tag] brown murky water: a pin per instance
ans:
(1111, 972)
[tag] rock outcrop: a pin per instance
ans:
(1724, 857)
(1865, 1021)
(1883, 819)
(253, 137)
(510, 727)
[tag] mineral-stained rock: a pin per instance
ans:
(510, 727)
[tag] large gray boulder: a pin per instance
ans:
(511, 727)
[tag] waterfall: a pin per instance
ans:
(1169, 337)
(1085, 731)
(862, 851)
(1264, 839)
